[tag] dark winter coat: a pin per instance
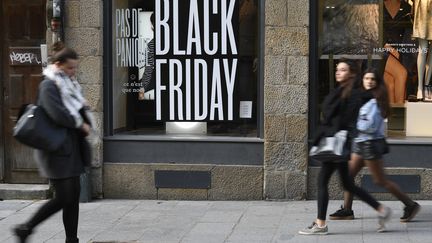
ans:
(340, 113)
(69, 160)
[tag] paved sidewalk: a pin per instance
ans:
(215, 221)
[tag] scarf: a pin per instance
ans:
(70, 92)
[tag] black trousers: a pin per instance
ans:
(66, 197)
(326, 171)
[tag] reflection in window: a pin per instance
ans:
(376, 33)
(349, 27)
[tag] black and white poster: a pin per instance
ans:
(186, 55)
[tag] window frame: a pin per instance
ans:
(404, 151)
(249, 150)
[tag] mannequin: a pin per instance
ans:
(397, 30)
(422, 30)
(146, 92)
(395, 76)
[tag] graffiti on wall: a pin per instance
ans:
(25, 56)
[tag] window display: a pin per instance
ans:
(391, 35)
(423, 33)
(399, 63)
(185, 61)
(356, 21)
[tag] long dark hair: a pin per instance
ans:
(379, 92)
(61, 53)
(349, 84)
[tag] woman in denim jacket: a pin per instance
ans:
(340, 111)
(369, 146)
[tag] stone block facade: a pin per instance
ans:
(84, 33)
(286, 99)
(137, 181)
(335, 187)
(285, 103)
(285, 173)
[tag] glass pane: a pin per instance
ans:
(349, 27)
(182, 61)
(380, 34)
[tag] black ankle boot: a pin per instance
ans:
(69, 240)
(22, 231)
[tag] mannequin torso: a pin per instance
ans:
(392, 7)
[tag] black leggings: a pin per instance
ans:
(326, 171)
(66, 197)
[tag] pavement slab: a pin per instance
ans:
(157, 221)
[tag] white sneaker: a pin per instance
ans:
(383, 218)
(314, 229)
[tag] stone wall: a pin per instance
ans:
(286, 98)
(137, 181)
(336, 189)
(285, 91)
(84, 33)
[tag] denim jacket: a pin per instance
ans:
(370, 123)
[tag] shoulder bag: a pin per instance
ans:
(330, 149)
(36, 129)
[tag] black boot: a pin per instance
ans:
(22, 231)
(69, 240)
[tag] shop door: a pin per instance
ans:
(23, 30)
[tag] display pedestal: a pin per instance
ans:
(396, 119)
(419, 119)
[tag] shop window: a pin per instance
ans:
(185, 67)
(379, 33)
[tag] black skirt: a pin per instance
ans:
(371, 149)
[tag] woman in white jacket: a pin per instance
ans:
(370, 145)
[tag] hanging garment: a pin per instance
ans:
(423, 19)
